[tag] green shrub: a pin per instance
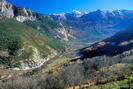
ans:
(14, 65)
(31, 72)
(10, 42)
(4, 60)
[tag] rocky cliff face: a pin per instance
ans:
(6, 9)
(10, 11)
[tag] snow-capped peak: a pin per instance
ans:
(77, 13)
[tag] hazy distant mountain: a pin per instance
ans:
(94, 20)
(95, 25)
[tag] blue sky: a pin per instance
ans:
(60, 6)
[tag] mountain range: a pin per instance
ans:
(96, 25)
(95, 19)
(73, 50)
(57, 32)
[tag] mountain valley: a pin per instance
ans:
(73, 50)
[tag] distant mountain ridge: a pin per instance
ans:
(96, 25)
(92, 19)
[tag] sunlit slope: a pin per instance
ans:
(112, 46)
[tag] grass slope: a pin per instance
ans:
(15, 36)
(49, 28)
